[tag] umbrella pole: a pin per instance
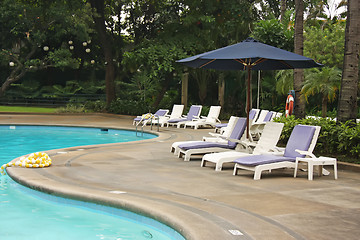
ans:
(248, 102)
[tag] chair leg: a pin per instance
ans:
(310, 171)
(335, 170)
(257, 174)
(296, 167)
(235, 170)
(203, 163)
(218, 167)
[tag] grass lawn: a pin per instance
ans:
(26, 109)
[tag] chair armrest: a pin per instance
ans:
(278, 149)
(215, 134)
(306, 153)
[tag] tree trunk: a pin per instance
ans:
(347, 107)
(106, 43)
(221, 93)
(299, 108)
(19, 71)
(161, 93)
(184, 88)
(324, 106)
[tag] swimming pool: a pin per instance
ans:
(27, 214)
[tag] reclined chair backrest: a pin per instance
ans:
(303, 137)
(237, 132)
(253, 114)
(161, 112)
(194, 112)
(268, 116)
(213, 114)
(261, 117)
(269, 137)
(177, 111)
(230, 126)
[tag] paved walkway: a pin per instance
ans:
(200, 203)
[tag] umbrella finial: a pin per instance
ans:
(250, 39)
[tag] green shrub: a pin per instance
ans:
(335, 139)
(72, 108)
(128, 107)
(95, 106)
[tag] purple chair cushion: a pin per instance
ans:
(300, 138)
(137, 119)
(220, 125)
(202, 144)
(235, 134)
(238, 131)
(161, 112)
(268, 116)
(193, 111)
(256, 160)
(176, 120)
(252, 114)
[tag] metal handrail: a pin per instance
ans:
(145, 121)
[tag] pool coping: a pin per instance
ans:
(193, 216)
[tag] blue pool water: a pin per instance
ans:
(27, 214)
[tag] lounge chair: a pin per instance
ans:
(147, 116)
(175, 114)
(202, 147)
(210, 120)
(215, 137)
(301, 143)
(194, 113)
(225, 133)
(253, 114)
(267, 143)
(258, 126)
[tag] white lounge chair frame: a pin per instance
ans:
(188, 153)
(210, 120)
(215, 136)
(284, 164)
(267, 143)
(176, 112)
(178, 124)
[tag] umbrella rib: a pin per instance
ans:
(207, 63)
(242, 62)
(286, 64)
(260, 60)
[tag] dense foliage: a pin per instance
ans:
(338, 140)
(146, 37)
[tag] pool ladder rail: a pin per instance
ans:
(144, 121)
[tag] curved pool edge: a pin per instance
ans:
(198, 202)
(196, 218)
(136, 204)
(163, 211)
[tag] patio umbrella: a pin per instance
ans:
(249, 54)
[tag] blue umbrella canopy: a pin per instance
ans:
(249, 54)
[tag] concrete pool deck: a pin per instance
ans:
(200, 203)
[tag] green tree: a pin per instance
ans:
(275, 33)
(102, 14)
(324, 81)
(326, 45)
(33, 35)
